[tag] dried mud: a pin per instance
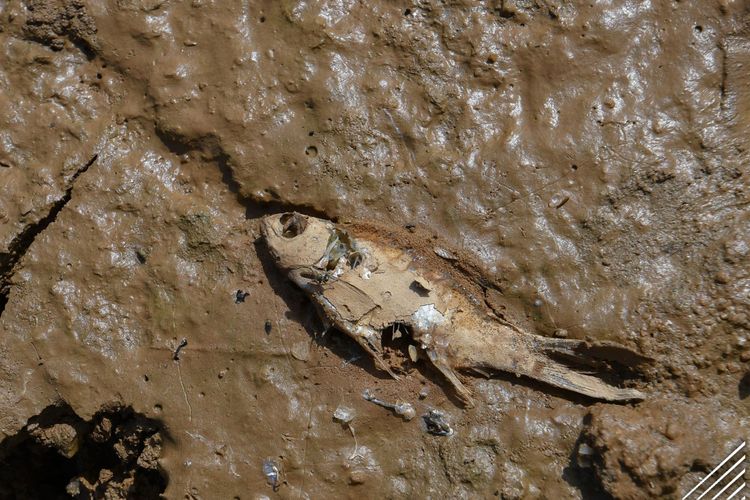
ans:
(584, 166)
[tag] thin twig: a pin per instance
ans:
(184, 393)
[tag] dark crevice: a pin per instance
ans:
(58, 454)
(211, 149)
(23, 241)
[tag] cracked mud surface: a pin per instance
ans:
(588, 163)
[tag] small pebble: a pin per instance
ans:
(357, 477)
(561, 333)
(301, 351)
(74, 487)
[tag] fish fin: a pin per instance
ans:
(360, 333)
(439, 362)
(528, 355)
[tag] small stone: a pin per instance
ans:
(672, 431)
(722, 278)
(105, 475)
(357, 476)
(301, 351)
(103, 431)
(73, 488)
(61, 437)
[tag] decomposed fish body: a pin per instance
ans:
(362, 287)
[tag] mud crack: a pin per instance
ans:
(21, 243)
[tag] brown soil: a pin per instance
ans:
(585, 162)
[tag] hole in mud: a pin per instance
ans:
(263, 19)
(311, 151)
(407, 12)
(60, 455)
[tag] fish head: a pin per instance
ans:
(296, 240)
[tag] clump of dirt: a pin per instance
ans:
(60, 455)
(651, 450)
(50, 22)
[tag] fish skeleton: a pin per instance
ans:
(362, 287)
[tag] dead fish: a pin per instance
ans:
(361, 287)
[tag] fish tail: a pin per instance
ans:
(559, 375)
(541, 358)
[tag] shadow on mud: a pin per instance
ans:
(60, 455)
(580, 472)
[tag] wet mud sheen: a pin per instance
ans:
(579, 169)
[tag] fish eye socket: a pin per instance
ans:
(293, 224)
